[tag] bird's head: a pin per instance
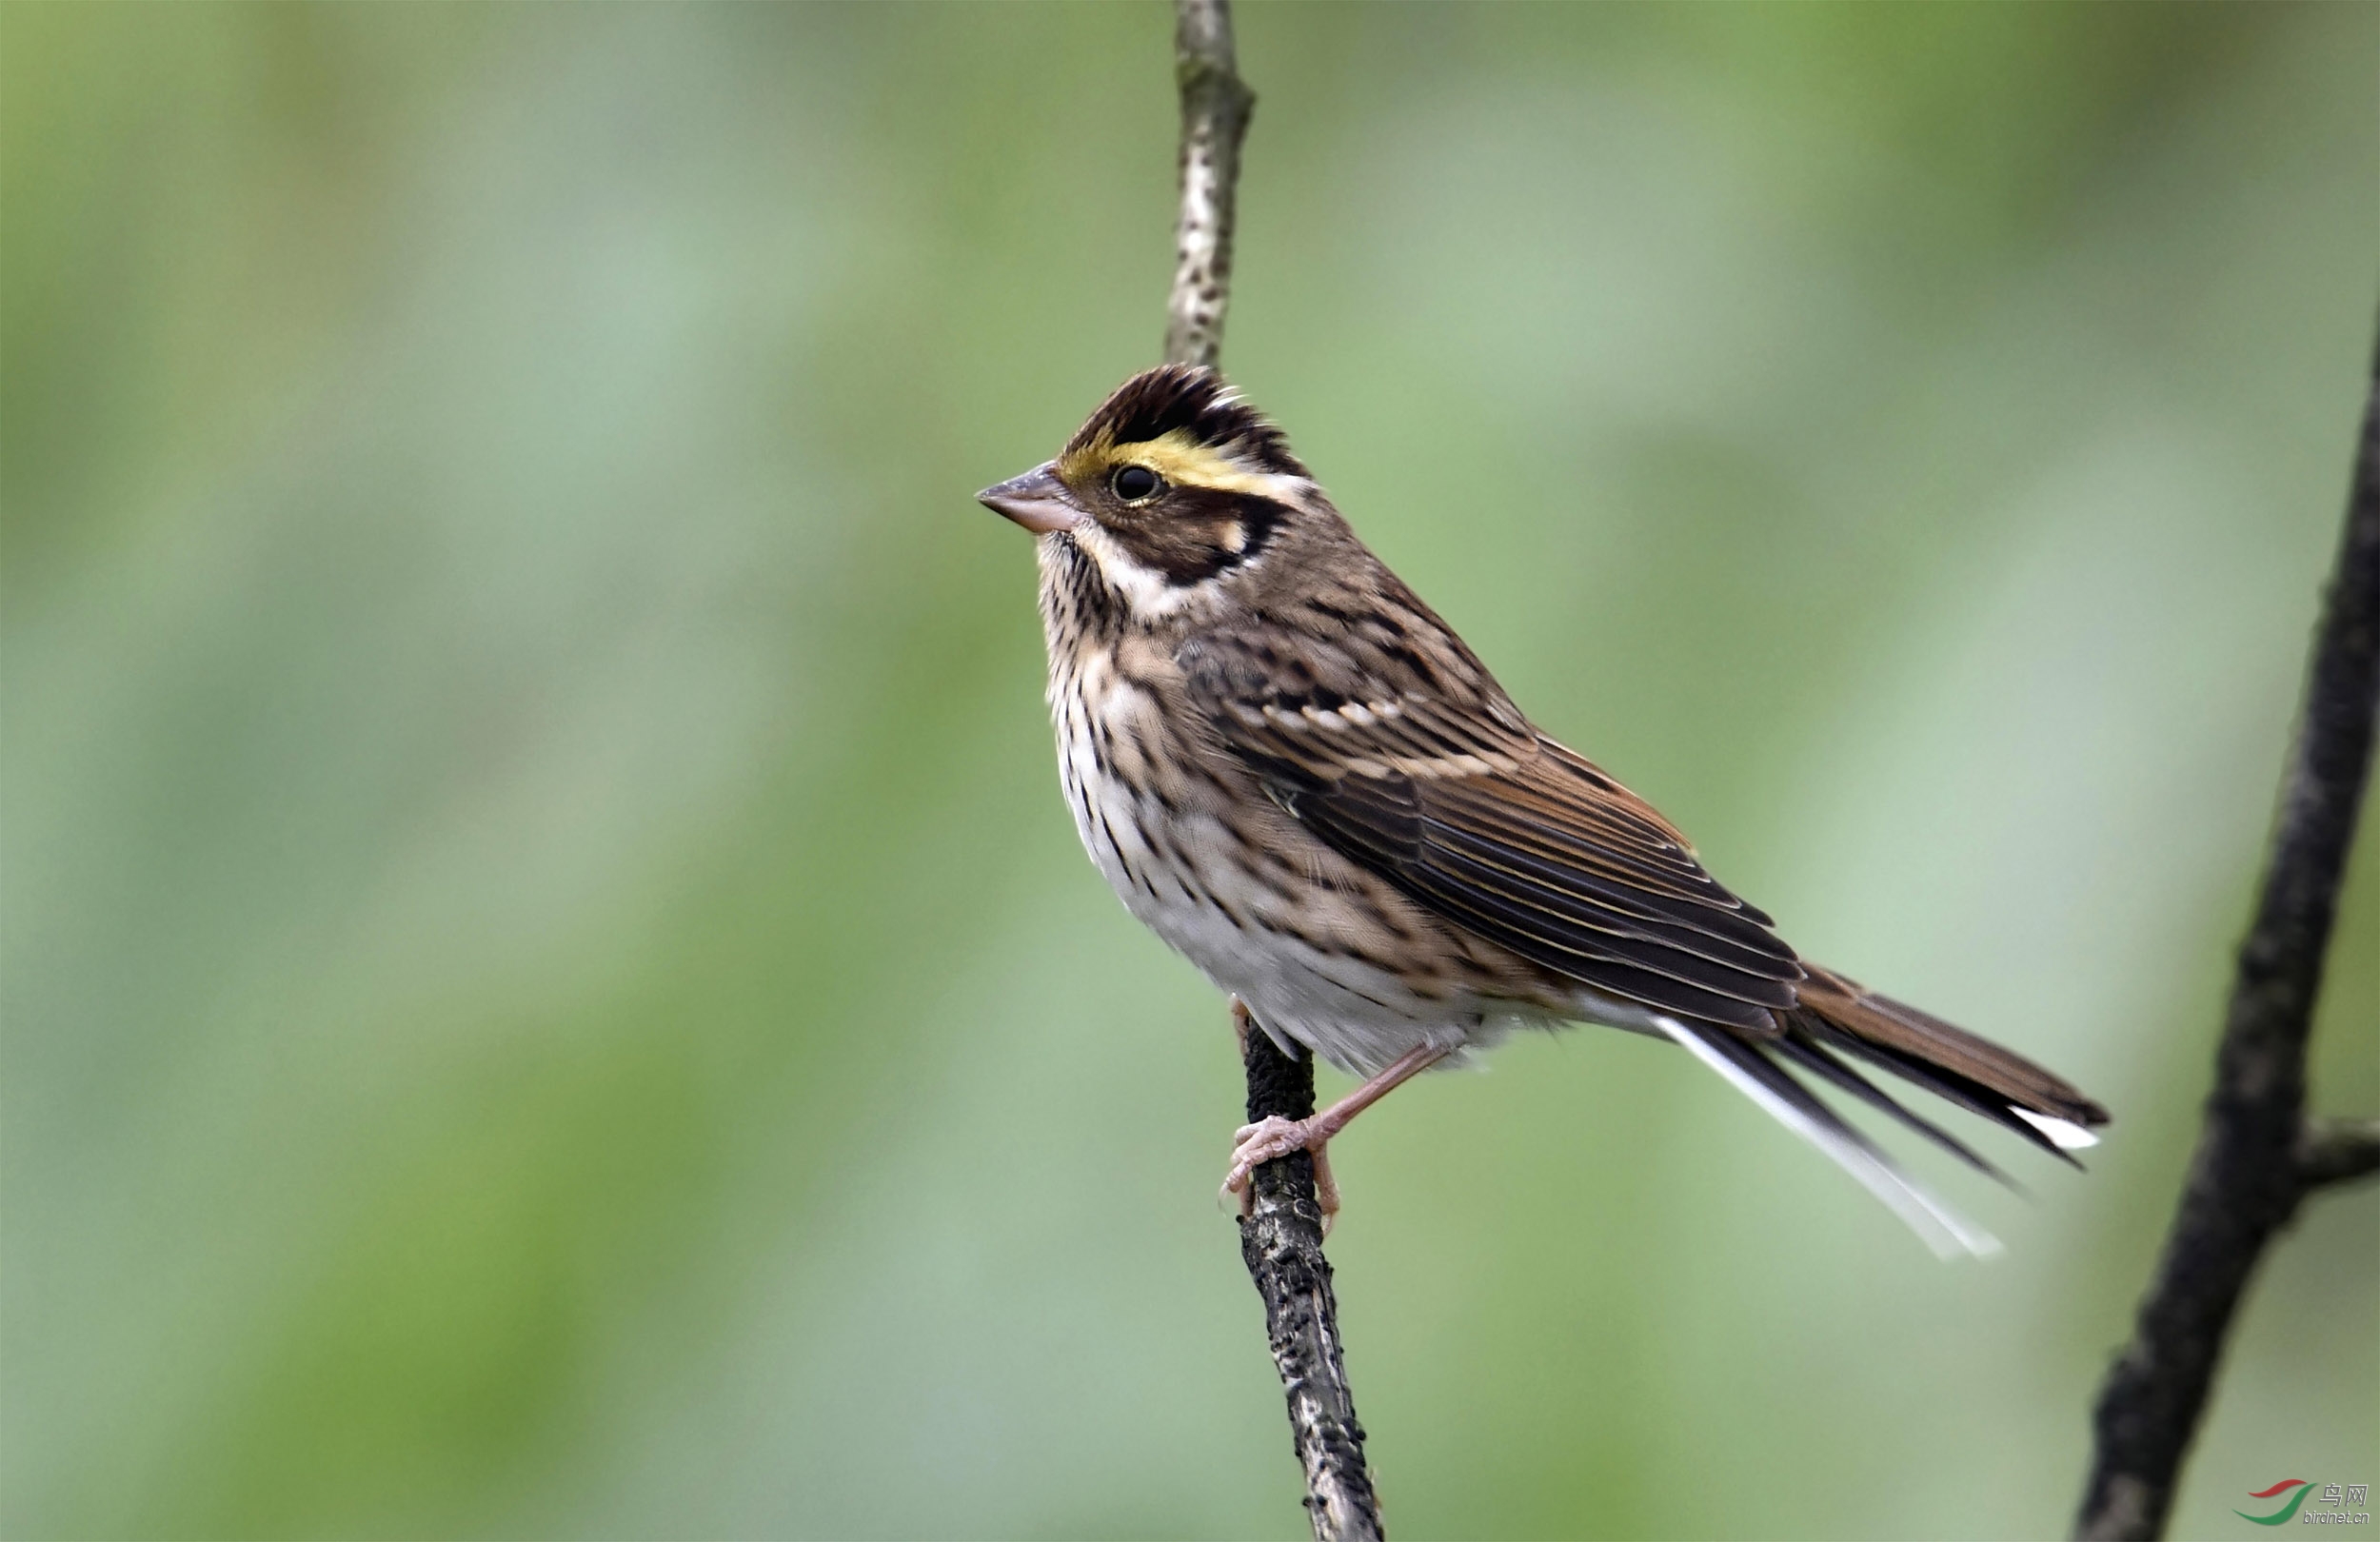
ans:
(1173, 483)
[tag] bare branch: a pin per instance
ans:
(1215, 110)
(1281, 1241)
(2256, 1160)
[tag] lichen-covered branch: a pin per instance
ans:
(2258, 1156)
(1281, 1241)
(1215, 110)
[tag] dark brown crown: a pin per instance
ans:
(1178, 396)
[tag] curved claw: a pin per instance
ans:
(1270, 1138)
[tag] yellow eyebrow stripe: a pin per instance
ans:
(1180, 459)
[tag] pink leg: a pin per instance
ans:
(1270, 1138)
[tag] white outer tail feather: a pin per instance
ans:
(1944, 1230)
(2064, 1133)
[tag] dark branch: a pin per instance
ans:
(1280, 1237)
(1215, 110)
(1281, 1241)
(2256, 1160)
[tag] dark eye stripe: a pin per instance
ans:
(1188, 541)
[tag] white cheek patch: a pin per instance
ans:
(1144, 590)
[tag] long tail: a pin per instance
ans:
(1837, 1017)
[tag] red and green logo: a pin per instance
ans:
(2296, 1488)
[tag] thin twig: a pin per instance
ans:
(1215, 110)
(1280, 1237)
(2256, 1157)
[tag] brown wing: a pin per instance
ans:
(1437, 782)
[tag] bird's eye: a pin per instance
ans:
(1134, 482)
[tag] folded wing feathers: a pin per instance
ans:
(1507, 811)
(1539, 853)
(1374, 821)
(1609, 885)
(1611, 909)
(1516, 837)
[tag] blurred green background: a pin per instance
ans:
(549, 990)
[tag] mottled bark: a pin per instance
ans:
(2257, 1155)
(1281, 1241)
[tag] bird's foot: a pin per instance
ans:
(1269, 1139)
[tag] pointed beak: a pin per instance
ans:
(1038, 501)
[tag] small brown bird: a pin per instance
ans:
(1296, 774)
